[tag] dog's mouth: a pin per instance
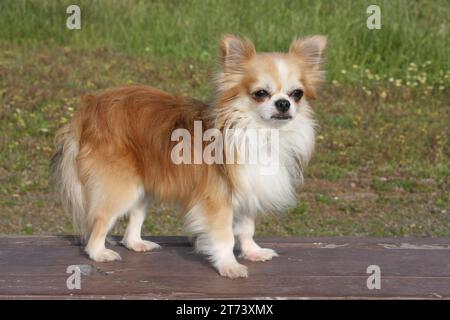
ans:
(281, 117)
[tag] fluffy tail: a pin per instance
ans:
(64, 175)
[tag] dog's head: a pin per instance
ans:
(271, 87)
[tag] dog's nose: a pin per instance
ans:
(282, 105)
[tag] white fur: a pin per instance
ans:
(66, 178)
(244, 229)
(219, 251)
(259, 193)
(132, 238)
(283, 72)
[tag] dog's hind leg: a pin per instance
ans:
(110, 196)
(132, 237)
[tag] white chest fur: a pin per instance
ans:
(259, 191)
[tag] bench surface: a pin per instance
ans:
(34, 267)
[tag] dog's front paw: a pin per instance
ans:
(233, 270)
(141, 245)
(260, 254)
(104, 255)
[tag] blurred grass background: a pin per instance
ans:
(412, 31)
(381, 167)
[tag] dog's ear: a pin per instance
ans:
(310, 52)
(310, 49)
(234, 51)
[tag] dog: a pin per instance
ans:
(116, 154)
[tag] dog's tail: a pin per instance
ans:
(65, 177)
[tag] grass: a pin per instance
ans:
(381, 167)
(412, 31)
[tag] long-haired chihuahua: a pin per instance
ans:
(117, 153)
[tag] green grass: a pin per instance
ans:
(412, 31)
(381, 166)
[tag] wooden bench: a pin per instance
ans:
(34, 267)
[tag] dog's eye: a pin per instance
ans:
(260, 94)
(297, 94)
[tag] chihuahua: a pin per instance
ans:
(116, 155)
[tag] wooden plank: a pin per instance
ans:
(35, 267)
